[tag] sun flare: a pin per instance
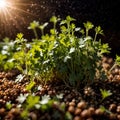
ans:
(3, 4)
(15, 14)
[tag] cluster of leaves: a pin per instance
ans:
(116, 63)
(7, 49)
(30, 102)
(61, 54)
(105, 93)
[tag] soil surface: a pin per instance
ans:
(86, 103)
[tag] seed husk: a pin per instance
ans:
(85, 113)
(112, 107)
(77, 118)
(77, 111)
(71, 109)
(81, 105)
(98, 112)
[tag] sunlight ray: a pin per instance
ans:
(14, 14)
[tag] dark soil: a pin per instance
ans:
(83, 104)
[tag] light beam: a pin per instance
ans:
(14, 15)
(3, 4)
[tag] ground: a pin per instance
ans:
(85, 103)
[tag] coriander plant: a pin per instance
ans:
(66, 53)
(73, 59)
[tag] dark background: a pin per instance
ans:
(105, 13)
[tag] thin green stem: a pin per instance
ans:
(35, 32)
(112, 67)
(95, 37)
(68, 26)
(86, 32)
